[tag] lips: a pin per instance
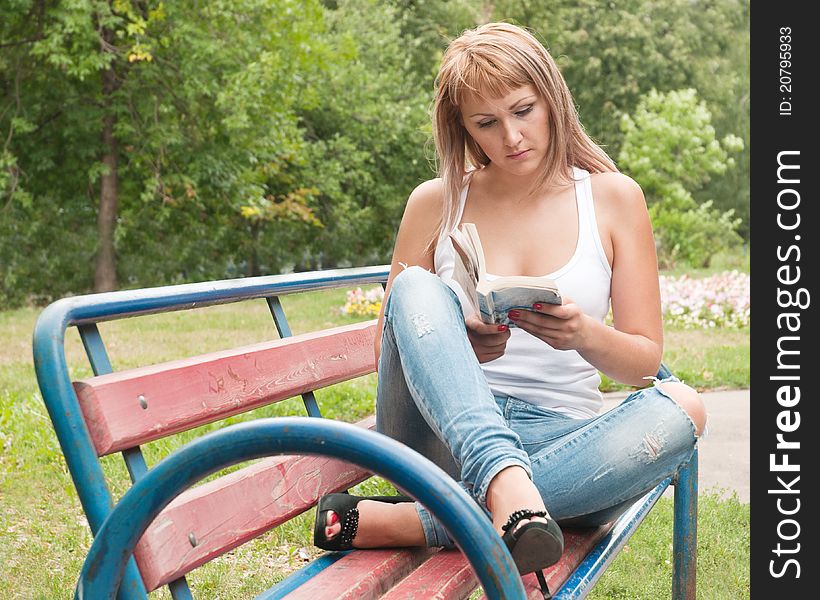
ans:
(518, 155)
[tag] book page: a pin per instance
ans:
(470, 231)
(464, 270)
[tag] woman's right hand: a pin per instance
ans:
(489, 341)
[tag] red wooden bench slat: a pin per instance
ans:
(449, 575)
(361, 575)
(128, 408)
(577, 544)
(446, 575)
(227, 512)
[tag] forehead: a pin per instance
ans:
(488, 103)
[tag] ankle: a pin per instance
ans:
(510, 491)
(513, 486)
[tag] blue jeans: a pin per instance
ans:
(433, 396)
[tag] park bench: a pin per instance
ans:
(162, 528)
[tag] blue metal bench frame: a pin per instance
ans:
(84, 312)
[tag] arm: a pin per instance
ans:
(418, 225)
(632, 348)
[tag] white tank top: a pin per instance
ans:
(530, 369)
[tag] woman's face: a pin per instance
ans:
(513, 131)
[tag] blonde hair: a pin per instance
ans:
(492, 60)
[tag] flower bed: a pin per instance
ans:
(364, 304)
(721, 300)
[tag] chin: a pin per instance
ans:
(523, 169)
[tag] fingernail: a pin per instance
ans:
(502, 328)
(536, 306)
(514, 314)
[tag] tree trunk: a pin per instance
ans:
(105, 273)
(252, 266)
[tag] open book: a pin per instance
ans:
(493, 299)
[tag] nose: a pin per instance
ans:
(512, 134)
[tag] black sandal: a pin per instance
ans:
(346, 508)
(535, 545)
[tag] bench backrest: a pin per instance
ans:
(118, 412)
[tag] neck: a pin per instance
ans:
(516, 187)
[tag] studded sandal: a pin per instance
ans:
(535, 545)
(346, 507)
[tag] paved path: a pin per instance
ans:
(724, 452)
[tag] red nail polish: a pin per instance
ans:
(536, 306)
(514, 314)
(502, 328)
(334, 518)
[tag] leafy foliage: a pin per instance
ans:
(261, 136)
(669, 147)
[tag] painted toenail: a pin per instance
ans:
(333, 518)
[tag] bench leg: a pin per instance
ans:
(685, 540)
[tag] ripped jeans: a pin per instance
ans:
(433, 396)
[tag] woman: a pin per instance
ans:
(513, 412)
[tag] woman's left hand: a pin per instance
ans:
(563, 327)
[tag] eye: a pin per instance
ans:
(524, 111)
(484, 124)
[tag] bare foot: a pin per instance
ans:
(381, 525)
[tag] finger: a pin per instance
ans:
(532, 318)
(560, 311)
(546, 329)
(476, 325)
(488, 356)
(490, 340)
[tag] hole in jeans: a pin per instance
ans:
(650, 447)
(421, 324)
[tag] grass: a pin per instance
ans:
(44, 535)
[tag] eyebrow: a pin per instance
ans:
(525, 98)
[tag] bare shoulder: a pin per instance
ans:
(618, 199)
(617, 189)
(424, 209)
(427, 196)
(415, 241)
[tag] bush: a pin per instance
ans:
(670, 148)
(693, 236)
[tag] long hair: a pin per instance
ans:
(493, 60)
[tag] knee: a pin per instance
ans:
(689, 400)
(416, 286)
(411, 279)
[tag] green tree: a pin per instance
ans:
(613, 53)
(365, 139)
(160, 142)
(721, 76)
(161, 122)
(670, 148)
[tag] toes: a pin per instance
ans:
(332, 525)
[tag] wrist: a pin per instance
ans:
(587, 333)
